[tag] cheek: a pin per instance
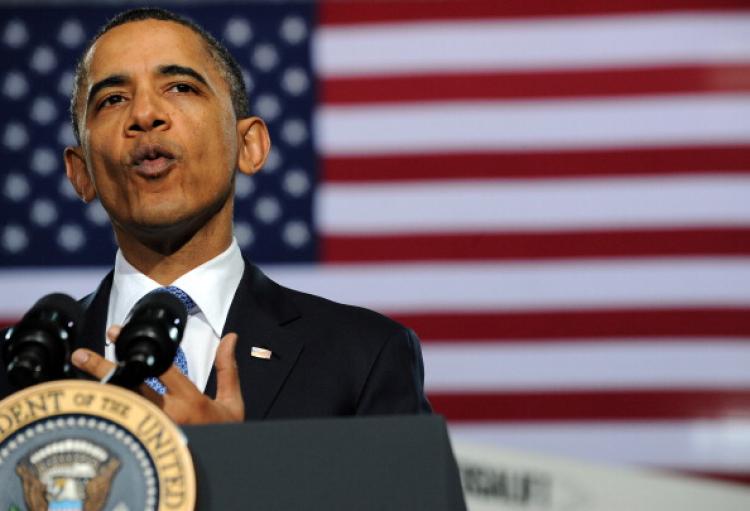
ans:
(104, 174)
(104, 149)
(105, 171)
(218, 152)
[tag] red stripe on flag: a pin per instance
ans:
(336, 12)
(537, 84)
(548, 245)
(549, 164)
(632, 404)
(564, 325)
(727, 477)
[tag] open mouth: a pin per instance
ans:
(152, 161)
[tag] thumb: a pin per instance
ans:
(113, 332)
(228, 390)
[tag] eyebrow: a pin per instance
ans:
(166, 70)
(110, 81)
(176, 70)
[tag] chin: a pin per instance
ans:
(172, 218)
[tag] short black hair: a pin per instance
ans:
(227, 65)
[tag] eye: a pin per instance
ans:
(111, 100)
(182, 88)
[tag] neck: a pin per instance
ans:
(166, 255)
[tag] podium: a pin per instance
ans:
(78, 444)
(379, 463)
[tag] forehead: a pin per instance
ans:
(142, 46)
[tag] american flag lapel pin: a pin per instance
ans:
(260, 353)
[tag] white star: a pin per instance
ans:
(295, 81)
(265, 57)
(66, 190)
(268, 107)
(293, 30)
(71, 33)
(247, 77)
(96, 214)
(296, 183)
(15, 85)
(16, 187)
(15, 34)
(43, 161)
(65, 85)
(15, 136)
(43, 212)
(273, 161)
(43, 110)
(238, 31)
(243, 186)
(296, 233)
(43, 60)
(65, 135)
(71, 237)
(294, 132)
(14, 238)
(244, 234)
(267, 209)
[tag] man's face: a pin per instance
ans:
(158, 132)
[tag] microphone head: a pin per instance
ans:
(62, 303)
(151, 337)
(38, 348)
(160, 303)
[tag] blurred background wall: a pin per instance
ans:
(555, 196)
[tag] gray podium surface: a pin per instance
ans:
(381, 463)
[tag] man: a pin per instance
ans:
(161, 118)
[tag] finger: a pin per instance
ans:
(177, 383)
(113, 332)
(228, 389)
(91, 363)
(151, 395)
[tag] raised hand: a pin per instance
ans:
(183, 402)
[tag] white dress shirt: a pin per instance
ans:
(211, 285)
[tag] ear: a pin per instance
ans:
(78, 175)
(255, 143)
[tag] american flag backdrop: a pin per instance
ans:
(554, 195)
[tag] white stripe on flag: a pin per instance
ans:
(22, 287)
(442, 127)
(705, 363)
(596, 41)
(508, 205)
(591, 284)
(570, 285)
(715, 446)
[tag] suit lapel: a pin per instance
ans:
(95, 317)
(258, 314)
(260, 310)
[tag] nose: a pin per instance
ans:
(147, 113)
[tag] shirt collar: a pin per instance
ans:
(211, 285)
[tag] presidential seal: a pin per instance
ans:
(75, 445)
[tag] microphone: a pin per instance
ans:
(147, 344)
(38, 348)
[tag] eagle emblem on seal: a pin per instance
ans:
(72, 474)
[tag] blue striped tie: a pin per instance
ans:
(179, 359)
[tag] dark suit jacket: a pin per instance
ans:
(328, 359)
